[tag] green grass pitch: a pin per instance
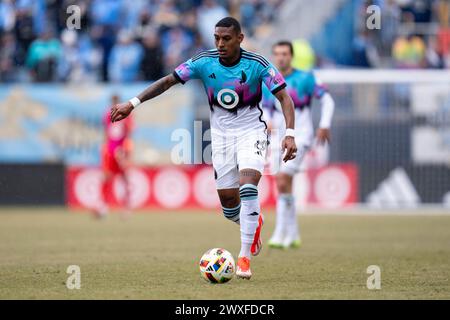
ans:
(155, 256)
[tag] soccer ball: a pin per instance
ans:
(217, 266)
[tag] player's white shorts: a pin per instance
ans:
(303, 139)
(236, 151)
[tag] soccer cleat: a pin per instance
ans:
(276, 241)
(296, 244)
(292, 243)
(243, 268)
(274, 244)
(257, 242)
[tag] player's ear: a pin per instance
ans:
(241, 37)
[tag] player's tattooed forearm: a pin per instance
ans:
(157, 88)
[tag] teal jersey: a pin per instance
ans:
(232, 87)
(301, 86)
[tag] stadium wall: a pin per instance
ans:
(63, 123)
(193, 187)
(32, 184)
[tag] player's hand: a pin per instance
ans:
(121, 111)
(289, 149)
(323, 136)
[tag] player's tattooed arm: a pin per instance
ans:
(157, 88)
(123, 110)
(287, 105)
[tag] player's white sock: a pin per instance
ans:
(232, 214)
(250, 210)
(291, 222)
(284, 204)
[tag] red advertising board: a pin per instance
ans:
(334, 186)
(193, 187)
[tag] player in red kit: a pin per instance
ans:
(115, 156)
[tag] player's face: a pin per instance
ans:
(282, 57)
(228, 42)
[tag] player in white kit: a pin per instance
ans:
(302, 87)
(233, 78)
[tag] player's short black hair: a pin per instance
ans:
(230, 22)
(285, 43)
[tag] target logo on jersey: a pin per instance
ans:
(228, 99)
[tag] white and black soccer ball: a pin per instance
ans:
(217, 266)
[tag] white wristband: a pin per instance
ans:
(290, 133)
(135, 102)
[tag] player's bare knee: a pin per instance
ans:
(229, 198)
(284, 183)
(231, 202)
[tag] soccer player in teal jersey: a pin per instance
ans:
(302, 87)
(233, 79)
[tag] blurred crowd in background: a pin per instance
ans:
(119, 40)
(141, 40)
(413, 34)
